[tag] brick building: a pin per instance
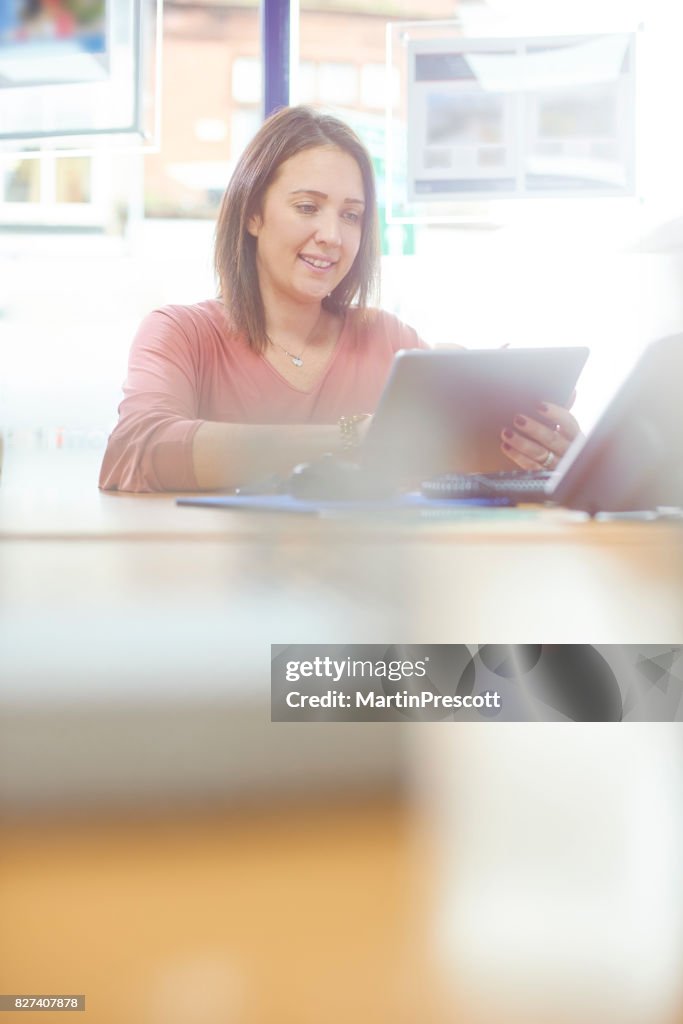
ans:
(211, 95)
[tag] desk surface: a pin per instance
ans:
(305, 915)
(131, 603)
(53, 495)
(502, 575)
(286, 916)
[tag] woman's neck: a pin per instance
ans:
(293, 322)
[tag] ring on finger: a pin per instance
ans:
(548, 460)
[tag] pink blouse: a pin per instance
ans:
(187, 365)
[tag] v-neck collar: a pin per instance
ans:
(334, 354)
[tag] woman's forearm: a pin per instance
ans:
(230, 454)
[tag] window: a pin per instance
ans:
(210, 129)
(210, 114)
(54, 190)
(308, 82)
(22, 181)
(338, 83)
(244, 125)
(73, 180)
(246, 80)
(373, 85)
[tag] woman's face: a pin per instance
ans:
(309, 228)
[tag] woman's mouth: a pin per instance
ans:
(317, 263)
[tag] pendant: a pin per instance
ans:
(297, 360)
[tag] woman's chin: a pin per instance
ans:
(314, 294)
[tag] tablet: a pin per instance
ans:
(443, 411)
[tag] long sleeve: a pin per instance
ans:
(150, 449)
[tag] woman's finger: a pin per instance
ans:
(560, 418)
(530, 450)
(521, 460)
(542, 436)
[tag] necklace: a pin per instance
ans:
(297, 360)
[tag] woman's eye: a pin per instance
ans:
(352, 217)
(306, 207)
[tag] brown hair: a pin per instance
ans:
(281, 136)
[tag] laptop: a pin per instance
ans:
(632, 459)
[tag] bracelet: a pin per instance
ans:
(348, 429)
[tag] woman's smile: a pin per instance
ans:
(317, 263)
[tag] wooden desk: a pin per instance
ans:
(140, 622)
(505, 576)
(294, 915)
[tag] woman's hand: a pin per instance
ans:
(535, 444)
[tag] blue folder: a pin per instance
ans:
(301, 506)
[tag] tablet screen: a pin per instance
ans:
(443, 411)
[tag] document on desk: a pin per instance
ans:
(413, 502)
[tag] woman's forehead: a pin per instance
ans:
(329, 163)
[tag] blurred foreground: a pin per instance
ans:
(527, 874)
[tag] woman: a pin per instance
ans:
(282, 368)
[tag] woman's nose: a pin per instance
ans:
(328, 230)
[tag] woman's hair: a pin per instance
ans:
(287, 132)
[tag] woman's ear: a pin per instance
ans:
(254, 224)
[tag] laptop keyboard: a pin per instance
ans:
(517, 486)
